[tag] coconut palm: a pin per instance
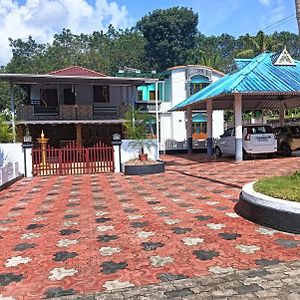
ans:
(256, 45)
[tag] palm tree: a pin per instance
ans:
(297, 4)
(256, 45)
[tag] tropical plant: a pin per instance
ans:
(136, 128)
(6, 134)
(256, 45)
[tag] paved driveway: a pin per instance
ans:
(81, 234)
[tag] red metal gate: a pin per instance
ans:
(73, 159)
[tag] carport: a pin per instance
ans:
(268, 81)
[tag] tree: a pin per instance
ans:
(26, 56)
(256, 45)
(170, 34)
(6, 134)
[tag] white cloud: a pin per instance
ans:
(265, 2)
(43, 18)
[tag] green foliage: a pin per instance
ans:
(136, 128)
(285, 187)
(6, 135)
(4, 96)
(105, 52)
(161, 39)
(170, 34)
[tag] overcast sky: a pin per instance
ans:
(43, 18)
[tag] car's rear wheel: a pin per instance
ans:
(286, 149)
(218, 152)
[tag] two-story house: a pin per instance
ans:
(72, 104)
(177, 84)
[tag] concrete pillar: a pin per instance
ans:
(27, 150)
(189, 129)
(117, 155)
(209, 112)
(12, 108)
(157, 119)
(281, 113)
(78, 134)
(238, 127)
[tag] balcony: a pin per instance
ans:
(147, 106)
(69, 112)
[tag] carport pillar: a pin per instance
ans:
(189, 130)
(281, 113)
(238, 127)
(209, 112)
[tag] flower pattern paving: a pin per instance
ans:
(82, 234)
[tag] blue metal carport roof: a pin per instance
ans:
(262, 84)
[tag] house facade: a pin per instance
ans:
(178, 84)
(72, 104)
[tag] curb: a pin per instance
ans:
(272, 212)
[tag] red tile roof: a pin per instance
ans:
(77, 71)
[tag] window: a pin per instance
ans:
(101, 94)
(152, 95)
(259, 129)
(228, 132)
(140, 95)
(49, 98)
(69, 96)
(196, 87)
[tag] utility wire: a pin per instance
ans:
(278, 23)
(288, 17)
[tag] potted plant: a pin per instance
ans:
(136, 131)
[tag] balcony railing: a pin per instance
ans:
(69, 112)
(147, 106)
(49, 111)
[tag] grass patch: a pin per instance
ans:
(284, 187)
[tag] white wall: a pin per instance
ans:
(173, 125)
(129, 150)
(10, 152)
(178, 84)
(218, 123)
(11, 161)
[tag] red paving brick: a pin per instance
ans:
(82, 234)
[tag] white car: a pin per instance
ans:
(257, 139)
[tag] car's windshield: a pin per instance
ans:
(295, 129)
(259, 129)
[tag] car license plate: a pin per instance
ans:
(262, 138)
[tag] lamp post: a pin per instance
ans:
(43, 142)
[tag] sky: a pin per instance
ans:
(43, 18)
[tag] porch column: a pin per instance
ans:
(78, 134)
(189, 129)
(209, 112)
(157, 119)
(12, 108)
(238, 127)
(281, 113)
